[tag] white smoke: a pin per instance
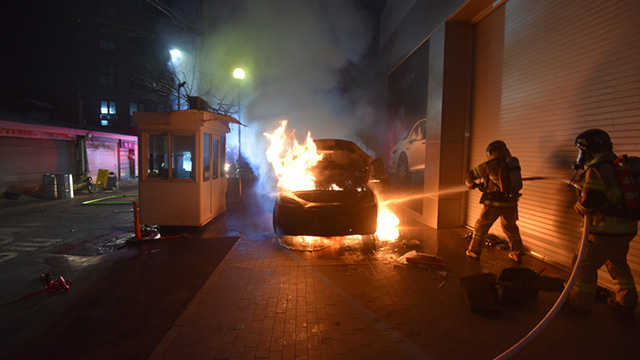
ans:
(293, 53)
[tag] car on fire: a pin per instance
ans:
(409, 153)
(342, 203)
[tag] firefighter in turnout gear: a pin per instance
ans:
(499, 180)
(611, 228)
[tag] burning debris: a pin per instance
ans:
(326, 191)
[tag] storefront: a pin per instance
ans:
(29, 151)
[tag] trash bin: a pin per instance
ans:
(65, 186)
(49, 186)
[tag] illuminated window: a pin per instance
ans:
(206, 150)
(107, 112)
(182, 156)
(157, 155)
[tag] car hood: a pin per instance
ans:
(343, 164)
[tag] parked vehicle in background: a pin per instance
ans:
(409, 153)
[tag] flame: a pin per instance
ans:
(291, 161)
(387, 224)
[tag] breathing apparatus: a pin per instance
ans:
(590, 144)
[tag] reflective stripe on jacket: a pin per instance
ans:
(601, 197)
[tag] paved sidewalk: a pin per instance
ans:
(358, 302)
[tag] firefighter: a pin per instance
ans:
(497, 203)
(611, 228)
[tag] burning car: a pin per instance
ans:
(340, 203)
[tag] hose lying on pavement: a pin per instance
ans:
(99, 200)
(567, 289)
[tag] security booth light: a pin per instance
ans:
(182, 157)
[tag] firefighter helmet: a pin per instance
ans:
(594, 141)
(591, 143)
(496, 149)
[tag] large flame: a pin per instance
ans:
(387, 223)
(292, 163)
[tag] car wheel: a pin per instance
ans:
(403, 169)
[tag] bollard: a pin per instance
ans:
(136, 221)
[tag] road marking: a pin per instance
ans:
(7, 256)
(22, 248)
(5, 239)
(33, 244)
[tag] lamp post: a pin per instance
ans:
(238, 74)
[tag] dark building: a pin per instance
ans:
(73, 73)
(78, 63)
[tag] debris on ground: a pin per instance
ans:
(50, 286)
(423, 260)
(495, 241)
(492, 241)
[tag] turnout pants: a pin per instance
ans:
(610, 251)
(489, 214)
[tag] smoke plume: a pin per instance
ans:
(294, 54)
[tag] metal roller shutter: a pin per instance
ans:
(544, 72)
(102, 155)
(24, 161)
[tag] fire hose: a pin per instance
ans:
(568, 286)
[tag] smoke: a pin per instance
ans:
(294, 54)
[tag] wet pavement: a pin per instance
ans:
(230, 290)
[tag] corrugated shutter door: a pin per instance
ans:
(102, 155)
(544, 72)
(24, 161)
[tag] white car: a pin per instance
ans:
(409, 153)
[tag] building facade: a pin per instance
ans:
(74, 72)
(30, 151)
(531, 73)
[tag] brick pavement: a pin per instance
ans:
(265, 301)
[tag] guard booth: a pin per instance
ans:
(182, 156)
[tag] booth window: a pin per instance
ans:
(182, 156)
(206, 150)
(158, 155)
(222, 155)
(214, 156)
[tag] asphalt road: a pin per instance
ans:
(123, 295)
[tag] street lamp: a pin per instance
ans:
(238, 74)
(175, 54)
(175, 58)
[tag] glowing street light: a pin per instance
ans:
(175, 54)
(238, 73)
